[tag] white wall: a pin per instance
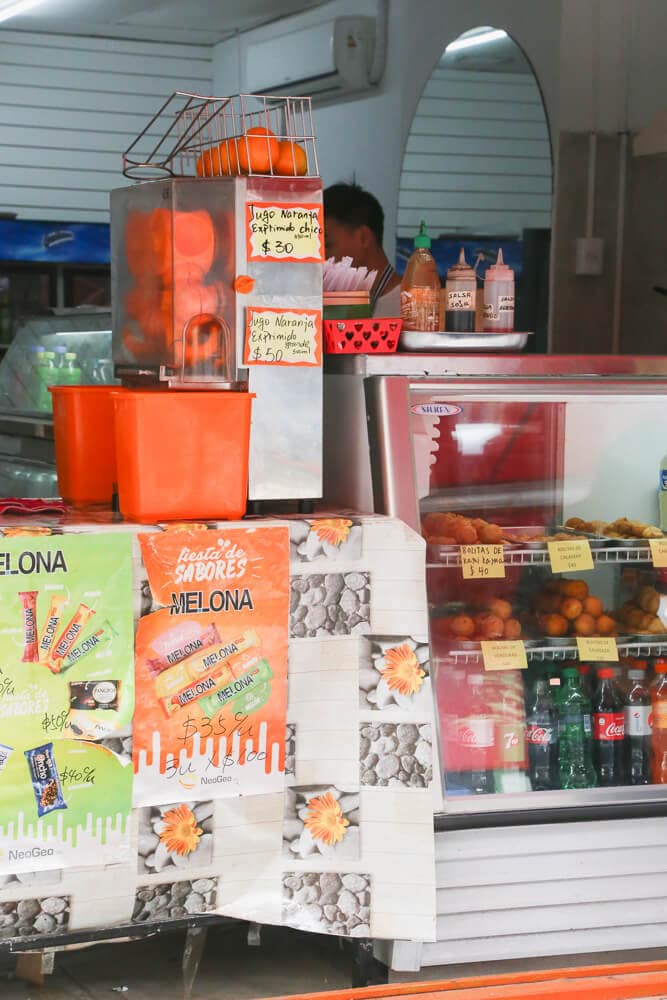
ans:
(364, 139)
(70, 106)
(613, 70)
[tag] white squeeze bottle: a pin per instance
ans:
(420, 288)
(499, 297)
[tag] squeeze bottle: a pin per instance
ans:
(420, 288)
(499, 297)
(460, 296)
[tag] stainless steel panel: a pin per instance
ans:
(286, 435)
(498, 365)
(421, 341)
(392, 458)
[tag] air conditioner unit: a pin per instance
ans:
(322, 61)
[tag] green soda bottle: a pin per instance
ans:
(71, 373)
(575, 761)
(47, 375)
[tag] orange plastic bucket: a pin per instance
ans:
(182, 454)
(84, 438)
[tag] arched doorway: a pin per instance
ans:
(477, 168)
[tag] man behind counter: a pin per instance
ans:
(354, 227)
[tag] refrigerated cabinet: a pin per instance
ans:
(525, 444)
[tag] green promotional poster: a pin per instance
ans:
(66, 700)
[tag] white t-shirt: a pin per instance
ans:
(389, 304)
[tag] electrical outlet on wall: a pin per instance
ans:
(589, 255)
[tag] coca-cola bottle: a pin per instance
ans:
(542, 737)
(638, 726)
(608, 731)
(477, 737)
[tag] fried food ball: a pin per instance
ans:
(648, 599)
(571, 608)
(585, 625)
(464, 533)
(462, 626)
(575, 588)
(593, 606)
(491, 534)
(497, 606)
(634, 617)
(555, 625)
(490, 626)
(606, 625)
(512, 629)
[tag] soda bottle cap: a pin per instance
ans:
(660, 666)
(605, 672)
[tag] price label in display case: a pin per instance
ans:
(659, 552)
(504, 654)
(482, 562)
(599, 648)
(570, 557)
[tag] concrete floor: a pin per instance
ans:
(286, 963)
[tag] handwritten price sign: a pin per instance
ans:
(482, 562)
(285, 232)
(570, 557)
(283, 337)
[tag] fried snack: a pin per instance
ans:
(623, 527)
(641, 614)
(565, 608)
(448, 528)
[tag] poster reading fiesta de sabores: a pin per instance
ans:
(211, 664)
(66, 699)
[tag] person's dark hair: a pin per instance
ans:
(350, 205)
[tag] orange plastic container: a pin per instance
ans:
(182, 454)
(85, 449)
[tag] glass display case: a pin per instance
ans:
(67, 348)
(539, 496)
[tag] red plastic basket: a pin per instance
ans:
(361, 336)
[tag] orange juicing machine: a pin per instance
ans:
(217, 272)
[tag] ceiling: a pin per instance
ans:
(202, 22)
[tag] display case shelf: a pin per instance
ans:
(436, 558)
(639, 650)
